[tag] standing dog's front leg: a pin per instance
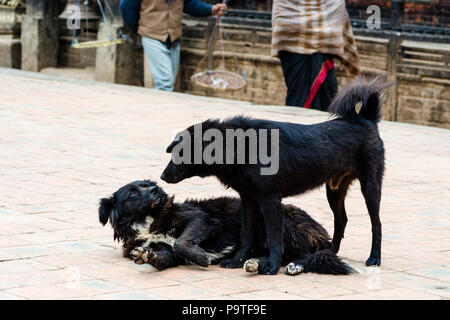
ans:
(249, 212)
(273, 220)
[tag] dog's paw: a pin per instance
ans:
(203, 260)
(294, 268)
(136, 254)
(372, 261)
(251, 265)
(140, 255)
(231, 264)
(194, 254)
(270, 269)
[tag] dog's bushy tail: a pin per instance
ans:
(366, 92)
(324, 262)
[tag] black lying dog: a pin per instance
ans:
(154, 229)
(333, 152)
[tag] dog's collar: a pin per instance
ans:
(167, 206)
(163, 220)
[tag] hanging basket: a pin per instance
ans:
(219, 80)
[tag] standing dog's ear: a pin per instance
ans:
(170, 147)
(176, 141)
(106, 210)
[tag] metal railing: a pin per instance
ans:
(387, 26)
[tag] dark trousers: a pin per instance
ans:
(310, 79)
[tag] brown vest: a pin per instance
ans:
(160, 19)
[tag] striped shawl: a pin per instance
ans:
(310, 26)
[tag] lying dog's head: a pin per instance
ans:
(131, 205)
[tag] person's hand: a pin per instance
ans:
(219, 9)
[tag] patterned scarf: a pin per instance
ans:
(310, 26)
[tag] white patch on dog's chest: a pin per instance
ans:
(158, 237)
(142, 230)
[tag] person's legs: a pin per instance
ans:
(310, 82)
(175, 58)
(327, 90)
(296, 76)
(160, 62)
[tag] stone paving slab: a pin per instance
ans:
(65, 143)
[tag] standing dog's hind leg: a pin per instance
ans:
(294, 268)
(371, 189)
(336, 198)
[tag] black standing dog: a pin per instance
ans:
(155, 229)
(334, 152)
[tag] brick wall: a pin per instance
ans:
(422, 71)
(422, 93)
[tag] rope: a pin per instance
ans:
(109, 26)
(244, 73)
(96, 43)
(109, 9)
(118, 29)
(221, 44)
(213, 34)
(230, 45)
(222, 34)
(99, 43)
(86, 3)
(219, 83)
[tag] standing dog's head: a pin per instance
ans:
(187, 153)
(176, 172)
(133, 204)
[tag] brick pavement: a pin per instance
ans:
(66, 143)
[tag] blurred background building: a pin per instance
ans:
(412, 44)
